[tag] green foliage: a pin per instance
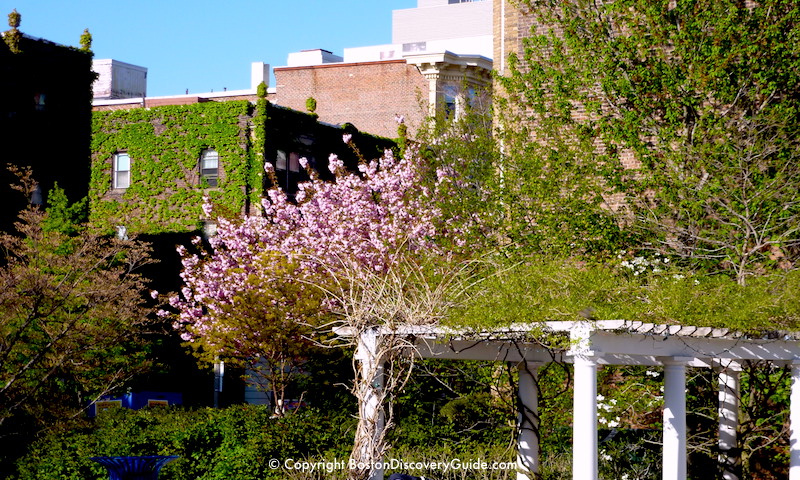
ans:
(14, 19)
(764, 422)
(685, 115)
(454, 404)
(73, 317)
(237, 442)
(164, 145)
(62, 217)
(86, 41)
(311, 104)
(462, 155)
(551, 290)
(13, 35)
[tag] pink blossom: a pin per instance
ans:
(334, 163)
(361, 221)
(347, 138)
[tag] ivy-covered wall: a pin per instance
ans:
(165, 144)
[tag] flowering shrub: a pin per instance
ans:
(362, 221)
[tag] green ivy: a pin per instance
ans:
(164, 144)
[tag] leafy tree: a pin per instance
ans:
(362, 247)
(72, 314)
(687, 108)
(681, 117)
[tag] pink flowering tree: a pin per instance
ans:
(361, 253)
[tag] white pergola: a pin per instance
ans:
(595, 343)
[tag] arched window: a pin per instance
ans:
(209, 167)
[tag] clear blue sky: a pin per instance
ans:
(205, 45)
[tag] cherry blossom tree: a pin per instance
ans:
(362, 253)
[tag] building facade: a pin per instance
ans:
(439, 59)
(152, 167)
(45, 117)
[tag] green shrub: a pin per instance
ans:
(236, 442)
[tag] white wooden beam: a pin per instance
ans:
(728, 418)
(794, 423)
(584, 419)
(674, 435)
(528, 422)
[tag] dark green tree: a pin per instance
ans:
(72, 314)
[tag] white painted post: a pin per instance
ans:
(794, 423)
(371, 409)
(728, 418)
(674, 436)
(528, 422)
(584, 419)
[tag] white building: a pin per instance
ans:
(117, 79)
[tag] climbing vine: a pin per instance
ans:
(164, 144)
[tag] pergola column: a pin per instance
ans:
(584, 419)
(371, 392)
(794, 423)
(728, 419)
(528, 422)
(674, 435)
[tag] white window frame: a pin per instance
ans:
(207, 155)
(121, 176)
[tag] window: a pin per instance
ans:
(39, 102)
(450, 101)
(209, 167)
(294, 162)
(289, 162)
(280, 161)
(122, 170)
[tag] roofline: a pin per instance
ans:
(205, 95)
(341, 64)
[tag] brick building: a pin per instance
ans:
(438, 61)
(152, 167)
(371, 94)
(45, 117)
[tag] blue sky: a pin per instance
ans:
(204, 45)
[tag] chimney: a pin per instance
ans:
(259, 72)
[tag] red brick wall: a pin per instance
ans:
(177, 100)
(368, 95)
